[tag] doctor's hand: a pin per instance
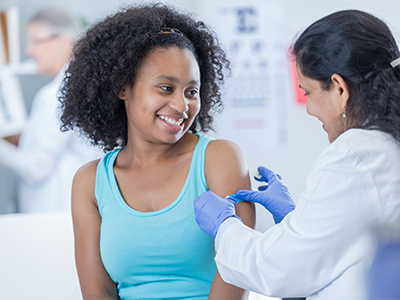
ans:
(211, 210)
(275, 196)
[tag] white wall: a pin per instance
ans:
(306, 137)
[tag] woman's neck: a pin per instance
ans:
(142, 152)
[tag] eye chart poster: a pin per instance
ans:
(256, 95)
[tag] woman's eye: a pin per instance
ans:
(166, 88)
(193, 92)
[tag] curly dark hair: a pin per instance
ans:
(359, 47)
(106, 59)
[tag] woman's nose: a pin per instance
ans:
(179, 103)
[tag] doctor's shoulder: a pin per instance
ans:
(367, 143)
(227, 172)
(359, 155)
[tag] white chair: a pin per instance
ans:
(37, 257)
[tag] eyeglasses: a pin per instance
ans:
(35, 42)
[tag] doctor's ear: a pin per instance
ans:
(122, 94)
(341, 88)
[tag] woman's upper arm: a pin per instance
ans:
(226, 173)
(94, 279)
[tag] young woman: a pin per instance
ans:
(141, 84)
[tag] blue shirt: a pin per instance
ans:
(161, 254)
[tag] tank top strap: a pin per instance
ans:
(199, 158)
(103, 180)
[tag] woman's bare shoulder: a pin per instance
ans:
(224, 151)
(226, 168)
(84, 182)
(226, 173)
(87, 171)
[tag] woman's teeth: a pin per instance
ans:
(171, 121)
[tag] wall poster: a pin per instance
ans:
(255, 112)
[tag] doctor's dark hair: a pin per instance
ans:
(106, 60)
(359, 47)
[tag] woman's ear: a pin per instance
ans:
(122, 94)
(342, 90)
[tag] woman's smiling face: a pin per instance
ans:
(325, 105)
(164, 100)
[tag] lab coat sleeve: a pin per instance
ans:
(43, 142)
(32, 166)
(316, 242)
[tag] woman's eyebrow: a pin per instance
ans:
(174, 79)
(170, 78)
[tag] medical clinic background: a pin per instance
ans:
(304, 136)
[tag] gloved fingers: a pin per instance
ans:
(262, 187)
(252, 196)
(203, 199)
(261, 179)
(205, 212)
(232, 199)
(269, 175)
(280, 178)
(285, 189)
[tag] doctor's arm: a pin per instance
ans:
(94, 280)
(226, 171)
(35, 162)
(33, 166)
(312, 246)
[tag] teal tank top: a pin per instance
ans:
(161, 254)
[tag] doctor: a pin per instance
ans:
(348, 64)
(44, 157)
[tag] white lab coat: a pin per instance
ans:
(321, 249)
(46, 158)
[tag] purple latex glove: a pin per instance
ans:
(275, 196)
(211, 210)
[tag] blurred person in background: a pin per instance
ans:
(45, 158)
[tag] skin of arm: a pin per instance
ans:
(226, 172)
(13, 139)
(94, 280)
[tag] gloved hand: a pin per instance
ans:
(275, 196)
(211, 210)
